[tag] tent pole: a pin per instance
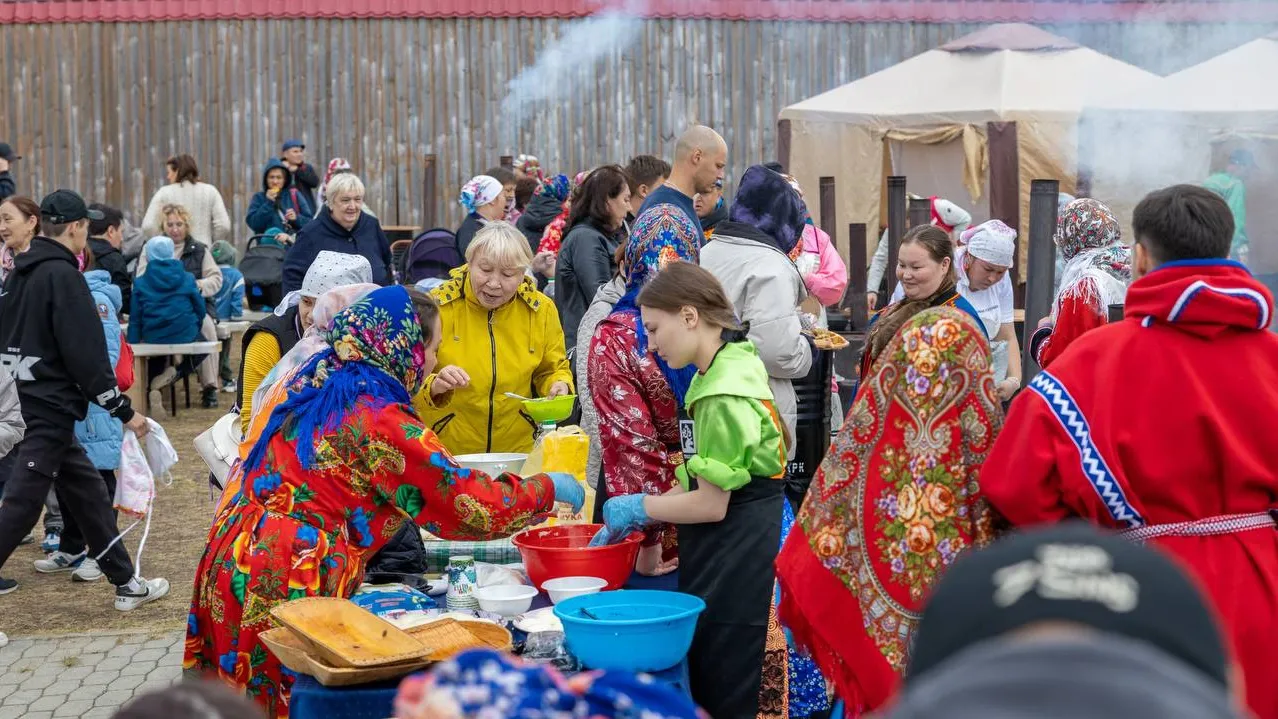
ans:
(1042, 265)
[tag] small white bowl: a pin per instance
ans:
(569, 587)
(507, 600)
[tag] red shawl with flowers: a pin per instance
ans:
(895, 501)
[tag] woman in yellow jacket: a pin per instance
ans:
(499, 335)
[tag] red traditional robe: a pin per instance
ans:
(1166, 416)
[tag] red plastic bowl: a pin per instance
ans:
(564, 551)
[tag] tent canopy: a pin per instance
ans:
(1010, 72)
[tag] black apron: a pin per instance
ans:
(729, 565)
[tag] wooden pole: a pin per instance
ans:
(896, 230)
(858, 268)
(1042, 265)
(429, 172)
(1005, 192)
(783, 145)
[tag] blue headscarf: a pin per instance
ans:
(661, 235)
(556, 187)
(376, 354)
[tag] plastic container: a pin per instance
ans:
(508, 600)
(550, 409)
(563, 449)
(493, 463)
(565, 551)
(569, 587)
(636, 630)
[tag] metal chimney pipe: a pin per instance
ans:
(920, 211)
(896, 200)
(1042, 265)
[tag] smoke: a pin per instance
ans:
(564, 66)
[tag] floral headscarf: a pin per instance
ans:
(660, 236)
(481, 190)
(325, 311)
(336, 166)
(556, 187)
(1090, 240)
(530, 166)
(376, 353)
(486, 683)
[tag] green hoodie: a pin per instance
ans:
(737, 432)
(1235, 195)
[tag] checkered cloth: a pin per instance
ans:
(497, 551)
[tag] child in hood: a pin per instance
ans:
(730, 502)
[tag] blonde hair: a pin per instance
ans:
(346, 182)
(503, 244)
(180, 211)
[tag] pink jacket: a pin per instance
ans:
(828, 278)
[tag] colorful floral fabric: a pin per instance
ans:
(553, 236)
(895, 501)
(557, 187)
(312, 509)
(638, 419)
(486, 683)
(480, 191)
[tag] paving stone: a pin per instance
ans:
(17, 646)
(9, 712)
(38, 681)
(162, 644)
(99, 713)
(45, 704)
(129, 682)
(150, 655)
(22, 697)
(99, 645)
(6, 690)
(113, 699)
(111, 663)
(38, 715)
(40, 650)
(88, 693)
(100, 677)
(73, 675)
(73, 709)
(137, 669)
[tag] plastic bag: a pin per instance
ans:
(135, 484)
(160, 455)
(564, 449)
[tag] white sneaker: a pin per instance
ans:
(127, 601)
(155, 400)
(165, 378)
(4, 640)
(88, 571)
(58, 562)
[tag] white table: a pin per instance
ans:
(141, 352)
(229, 328)
(255, 316)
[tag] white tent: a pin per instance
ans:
(926, 118)
(1183, 127)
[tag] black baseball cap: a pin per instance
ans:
(1072, 573)
(62, 206)
(6, 152)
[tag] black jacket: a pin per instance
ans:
(51, 340)
(323, 233)
(284, 328)
(585, 264)
(307, 181)
(540, 212)
(112, 260)
(7, 186)
(466, 232)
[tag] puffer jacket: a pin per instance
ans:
(765, 288)
(167, 306)
(518, 348)
(12, 426)
(824, 272)
(99, 433)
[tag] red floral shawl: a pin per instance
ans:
(896, 499)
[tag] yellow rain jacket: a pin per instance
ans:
(518, 348)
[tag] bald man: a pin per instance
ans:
(700, 156)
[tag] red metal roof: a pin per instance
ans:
(1042, 11)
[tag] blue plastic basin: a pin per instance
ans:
(638, 630)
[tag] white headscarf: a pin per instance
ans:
(481, 190)
(992, 241)
(328, 270)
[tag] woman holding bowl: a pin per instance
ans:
(500, 335)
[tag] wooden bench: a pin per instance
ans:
(142, 382)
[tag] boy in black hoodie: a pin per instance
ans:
(51, 342)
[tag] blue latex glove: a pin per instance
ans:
(568, 489)
(622, 515)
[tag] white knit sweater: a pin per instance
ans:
(209, 220)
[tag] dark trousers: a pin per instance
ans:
(72, 537)
(50, 457)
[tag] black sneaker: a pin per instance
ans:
(7, 585)
(209, 398)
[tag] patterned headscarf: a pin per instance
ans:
(556, 187)
(1090, 239)
(336, 166)
(530, 166)
(766, 201)
(481, 190)
(661, 235)
(376, 352)
(483, 683)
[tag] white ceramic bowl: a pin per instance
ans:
(493, 463)
(507, 600)
(569, 587)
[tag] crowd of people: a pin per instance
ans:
(912, 577)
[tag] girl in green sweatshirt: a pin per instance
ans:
(729, 504)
